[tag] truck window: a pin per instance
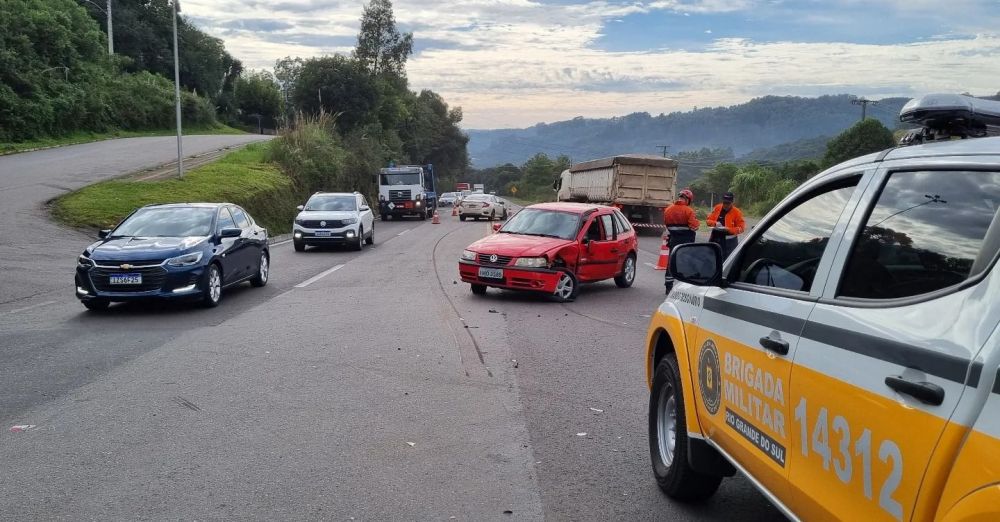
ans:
(406, 178)
(924, 234)
(787, 254)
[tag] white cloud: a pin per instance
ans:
(517, 62)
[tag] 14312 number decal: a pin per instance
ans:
(843, 461)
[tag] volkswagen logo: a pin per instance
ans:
(494, 258)
(322, 223)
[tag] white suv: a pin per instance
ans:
(334, 218)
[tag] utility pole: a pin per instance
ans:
(111, 32)
(863, 102)
(177, 94)
(664, 149)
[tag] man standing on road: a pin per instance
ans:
(726, 222)
(681, 224)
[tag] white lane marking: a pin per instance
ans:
(315, 278)
(650, 265)
(32, 307)
(403, 232)
(279, 243)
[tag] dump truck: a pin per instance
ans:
(640, 186)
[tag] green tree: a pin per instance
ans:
(336, 85)
(381, 48)
(865, 137)
(257, 93)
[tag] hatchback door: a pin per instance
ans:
(749, 331)
(599, 256)
(887, 354)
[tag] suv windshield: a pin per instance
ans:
(401, 179)
(167, 222)
(332, 203)
(547, 223)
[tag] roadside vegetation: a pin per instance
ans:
(77, 138)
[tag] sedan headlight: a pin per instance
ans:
(84, 261)
(468, 255)
(185, 260)
(350, 221)
(532, 262)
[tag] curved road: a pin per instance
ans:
(381, 390)
(36, 254)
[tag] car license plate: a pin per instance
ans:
(126, 279)
(491, 273)
(323, 233)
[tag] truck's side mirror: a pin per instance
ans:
(699, 264)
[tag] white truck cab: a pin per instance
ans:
(407, 190)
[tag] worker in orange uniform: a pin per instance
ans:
(726, 222)
(681, 224)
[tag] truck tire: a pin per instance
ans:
(668, 440)
(423, 216)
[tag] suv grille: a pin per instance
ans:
(152, 279)
(484, 259)
(400, 195)
(330, 223)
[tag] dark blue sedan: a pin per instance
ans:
(180, 251)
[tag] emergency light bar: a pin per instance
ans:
(943, 116)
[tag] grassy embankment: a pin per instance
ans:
(245, 177)
(88, 137)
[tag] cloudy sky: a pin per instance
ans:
(513, 63)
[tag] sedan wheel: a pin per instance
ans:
(263, 271)
(212, 292)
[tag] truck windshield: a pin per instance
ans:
(546, 223)
(409, 178)
(332, 203)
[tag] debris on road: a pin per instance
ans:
(411, 444)
(508, 512)
(595, 410)
(515, 362)
(581, 434)
(492, 311)
(22, 428)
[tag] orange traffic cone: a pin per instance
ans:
(454, 211)
(664, 261)
(437, 219)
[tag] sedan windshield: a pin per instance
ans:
(546, 223)
(167, 222)
(332, 203)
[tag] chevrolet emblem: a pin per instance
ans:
(126, 266)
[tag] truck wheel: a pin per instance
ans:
(627, 277)
(423, 216)
(479, 289)
(668, 438)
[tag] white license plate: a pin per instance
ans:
(323, 233)
(491, 273)
(126, 279)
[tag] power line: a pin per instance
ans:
(863, 102)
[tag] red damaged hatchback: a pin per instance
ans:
(551, 248)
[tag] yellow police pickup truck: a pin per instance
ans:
(846, 357)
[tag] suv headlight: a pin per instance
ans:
(300, 221)
(468, 255)
(532, 262)
(185, 260)
(350, 221)
(84, 262)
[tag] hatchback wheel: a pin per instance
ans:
(212, 291)
(567, 287)
(668, 438)
(627, 277)
(263, 271)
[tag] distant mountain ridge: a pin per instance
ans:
(761, 123)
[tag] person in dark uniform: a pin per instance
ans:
(726, 222)
(681, 225)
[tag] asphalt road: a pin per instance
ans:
(35, 253)
(383, 390)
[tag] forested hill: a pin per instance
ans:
(758, 124)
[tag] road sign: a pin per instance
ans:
(513, 190)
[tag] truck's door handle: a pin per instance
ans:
(778, 346)
(925, 392)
